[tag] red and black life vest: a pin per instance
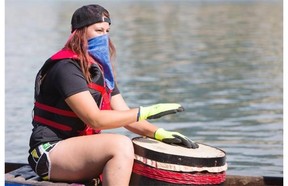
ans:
(48, 115)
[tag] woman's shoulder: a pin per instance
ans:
(66, 63)
(65, 68)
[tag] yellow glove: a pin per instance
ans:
(174, 138)
(158, 110)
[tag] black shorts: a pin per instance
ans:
(39, 160)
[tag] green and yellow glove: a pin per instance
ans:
(174, 138)
(158, 110)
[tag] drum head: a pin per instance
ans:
(204, 156)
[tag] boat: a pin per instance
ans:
(22, 174)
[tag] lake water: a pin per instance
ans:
(222, 60)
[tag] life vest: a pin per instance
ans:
(45, 114)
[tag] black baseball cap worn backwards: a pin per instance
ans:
(88, 15)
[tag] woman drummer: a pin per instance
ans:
(76, 96)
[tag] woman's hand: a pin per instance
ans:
(174, 138)
(158, 110)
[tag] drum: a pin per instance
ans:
(158, 163)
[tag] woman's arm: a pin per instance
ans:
(87, 110)
(143, 128)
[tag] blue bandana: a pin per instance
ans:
(98, 47)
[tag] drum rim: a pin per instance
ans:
(185, 160)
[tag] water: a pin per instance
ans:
(222, 60)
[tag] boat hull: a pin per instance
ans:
(22, 174)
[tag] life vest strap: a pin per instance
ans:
(54, 110)
(97, 87)
(52, 123)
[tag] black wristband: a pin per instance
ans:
(138, 115)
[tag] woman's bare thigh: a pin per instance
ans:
(84, 157)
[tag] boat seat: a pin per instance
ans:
(24, 175)
(25, 172)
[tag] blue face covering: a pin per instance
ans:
(98, 47)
